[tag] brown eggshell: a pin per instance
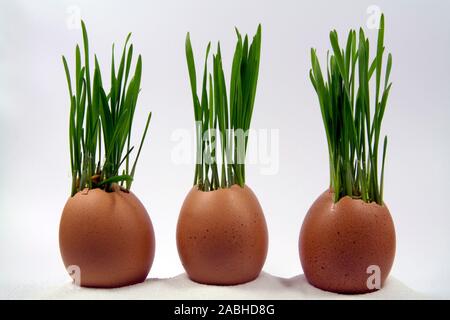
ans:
(110, 237)
(338, 242)
(222, 236)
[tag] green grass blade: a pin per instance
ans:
(379, 59)
(140, 146)
(192, 76)
(115, 179)
(67, 72)
(86, 61)
(388, 71)
(382, 170)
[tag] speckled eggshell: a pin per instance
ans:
(338, 242)
(110, 237)
(222, 236)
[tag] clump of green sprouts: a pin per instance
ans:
(100, 118)
(352, 127)
(229, 118)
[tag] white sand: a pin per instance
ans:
(180, 287)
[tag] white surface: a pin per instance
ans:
(265, 286)
(34, 106)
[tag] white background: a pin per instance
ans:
(34, 104)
